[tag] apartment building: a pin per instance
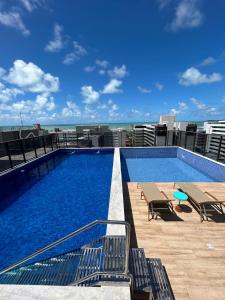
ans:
(115, 138)
(167, 132)
(216, 138)
(95, 136)
(149, 135)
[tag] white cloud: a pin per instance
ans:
(203, 107)
(193, 76)
(57, 43)
(113, 110)
(13, 20)
(71, 110)
(112, 87)
(118, 72)
(78, 52)
(44, 102)
(182, 106)
(208, 61)
(30, 108)
(90, 95)
(163, 3)
(174, 111)
(115, 107)
(187, 15)
(144, 90)
(102, 63)
(102, 106)
(89, 69)
(7, 94)
(101, 72)
(31, 78)
(89, 113)
(159, 86)
(2, 72)
(30, 5)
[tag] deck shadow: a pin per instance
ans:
(129, 215)
(166, 215)
(169, 216)
(215, 216)
(186, 209)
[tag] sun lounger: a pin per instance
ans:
(204, 202)
(157, 200)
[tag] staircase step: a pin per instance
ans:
(59, 270)
(139, 269)
(114, 253)
(160, 284)
(90, 263)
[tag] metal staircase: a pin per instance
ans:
(103, 260)
(108, 260)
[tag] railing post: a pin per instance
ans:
(9, 155)
(219, 148)
(34, 146)
(166, 138)
(185, 140)
(43, 140)
(51, 141)
(65, 137)
(193, 149)
(22, 149)
(204, 146)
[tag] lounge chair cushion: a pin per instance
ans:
(195, 193)
(152, 193)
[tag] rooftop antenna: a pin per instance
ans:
(21, 119)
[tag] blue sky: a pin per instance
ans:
(88, 61)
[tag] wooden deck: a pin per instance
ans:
(193, 253)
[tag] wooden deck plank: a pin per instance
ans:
(193, 253)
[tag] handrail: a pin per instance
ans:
(99, 273)
(71, 235)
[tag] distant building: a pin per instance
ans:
(216, 137)
(149, 135)
(167, 132)
(115, 138)
(95, 136)
(11, 135)
(167, 119)
(92, 129)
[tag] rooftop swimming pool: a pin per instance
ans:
(50, 198)
(168, 165)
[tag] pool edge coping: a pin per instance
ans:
(116, 202)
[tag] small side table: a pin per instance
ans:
(180, 196)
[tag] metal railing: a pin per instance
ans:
(72, 235)
(16, 152)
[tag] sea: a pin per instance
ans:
(73, 126)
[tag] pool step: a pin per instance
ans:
(68, 268)
(73, 268)
(89, 263)
(109, 258)
(59, 270)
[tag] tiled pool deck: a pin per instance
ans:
(193, 253)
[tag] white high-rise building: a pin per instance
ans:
(216, 137)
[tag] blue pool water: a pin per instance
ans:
(42, 204)
(160, 170)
